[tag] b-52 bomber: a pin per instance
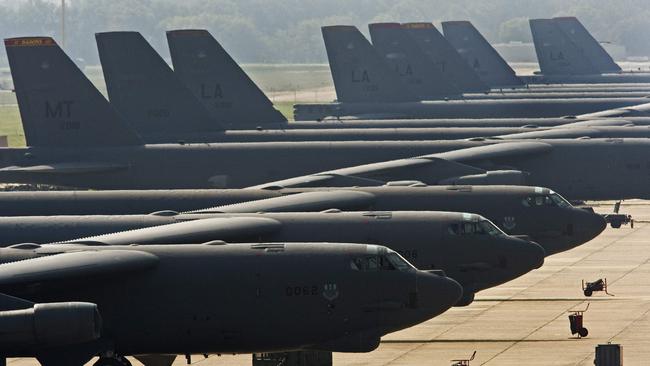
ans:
(109, 301)
(367, 87)
(538, 213)
(568, 53)
(467, 247)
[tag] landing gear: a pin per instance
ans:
(112, 361)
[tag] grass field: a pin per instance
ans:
(10, 125)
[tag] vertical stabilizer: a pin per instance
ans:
(218, 82)
(360, 75)
(58, 105)
(444, 55)
(416, 70)
(580, 36)
(481, 56)
(556, 53)
(145, 90)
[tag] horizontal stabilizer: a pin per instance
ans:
(74, 265)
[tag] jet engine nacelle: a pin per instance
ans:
(492, 177)
(50, 324)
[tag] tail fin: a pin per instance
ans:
(556, 53)
(217, 81)
(581, 37)
(359, 73)
(415, 69)
(481, 56)
(443, 54)
(145, 90)
(59, 106)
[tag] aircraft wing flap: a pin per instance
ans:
(193, 231)
(74, 265)
(301, 202)
(64, 168)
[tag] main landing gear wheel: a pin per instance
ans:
(112, 361)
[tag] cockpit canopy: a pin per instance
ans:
(380, 259)
(549, 199)
(480, 226)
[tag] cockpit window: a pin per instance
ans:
(552, 199)
(480, 227)
(559, 200)
(390, 261)
(398, 262)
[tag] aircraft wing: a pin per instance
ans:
(305, 201)
(74, 265)
(429, 169)
(64, 168)
(194, 231)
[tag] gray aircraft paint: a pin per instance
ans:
(481, 56)
(60, 121)
(430, 240)
(444, 55)
(495, 108)
(591, 48)
(358, 71)
(599, 169)
(218, 82)
(551, 225)
(556, 52)
(209, 322)
(418, 72)
(145, 90)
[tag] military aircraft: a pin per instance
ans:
(348, 295)
(480, 55)
(366, 87)
(568, 53)
(536, 212)
(432, 69)
(583, 169)
(467, 247)
(171, 125)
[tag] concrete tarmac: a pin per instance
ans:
(524, 322)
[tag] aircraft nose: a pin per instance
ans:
(589, 225)
(526, 256)
(437, 293)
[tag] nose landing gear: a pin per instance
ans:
(114, 360)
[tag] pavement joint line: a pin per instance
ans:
(632, 231)
(510, 297)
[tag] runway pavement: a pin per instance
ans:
(524, 322)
